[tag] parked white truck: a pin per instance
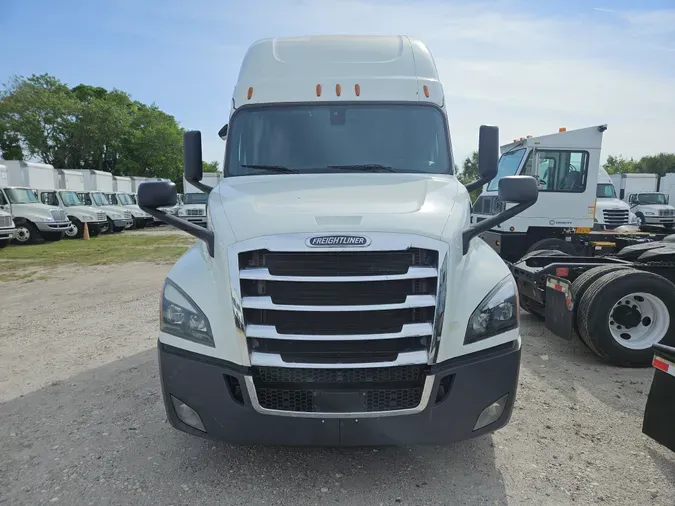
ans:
(610, 211)
(650, 205)
(97, 184)
(66, 198)
(195, 201)
(339, 295)
(33, 220)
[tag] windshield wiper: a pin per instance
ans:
(272, 168)
(364, 167)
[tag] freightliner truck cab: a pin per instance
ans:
(339, 294)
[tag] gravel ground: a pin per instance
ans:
(82, 422)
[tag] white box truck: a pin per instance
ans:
(339, 294)
(650, 206)
(194, 200)
(667, 186)
(96, 185)
(33, 220)
(610, 211)
(7, 228)
(63, 194)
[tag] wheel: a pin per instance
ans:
(4, 244)
(623, 314)
(26, 233)
(94, 230)
(640, 219)
(52, 236)
(544, 253)
(552, 243)
(581, 284)
(111, 227)
(76, 229)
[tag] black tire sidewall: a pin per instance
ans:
(551, 243)
(598, 327)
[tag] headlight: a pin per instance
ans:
(43, 219)
(116, 216)
(84, 218)
(497, 313)
(181, 317)
(182, 212)
(650, 213)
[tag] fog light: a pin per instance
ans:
(187, 415)
(491, 413)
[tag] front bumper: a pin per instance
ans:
(659, 220)
(7, 233)
(123, 223)
(476, 381)
(49, 226)
(197, 220)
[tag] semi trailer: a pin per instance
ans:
(339, 294)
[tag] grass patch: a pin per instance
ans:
(16, 261)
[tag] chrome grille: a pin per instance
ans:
(304, 313)
(195, 212)
(100, 216)
(6, 221)
(666, 212)
(127, 215)
(615, 217)
(58, 215)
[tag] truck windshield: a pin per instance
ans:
(99, 199)
(320, 138)
(652, 198)
(508, 166)
(70, 199)
(124, 199)
(195, 198)
(21, 196)
(605, 191)
(132, 198)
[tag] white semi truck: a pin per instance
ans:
(339, 294)
(195, 201)
(7, 228)
(33, 219)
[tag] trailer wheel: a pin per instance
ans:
(623, 314)
(552, 243)
(544, 253)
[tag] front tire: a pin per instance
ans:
(640, 219)
(26, 233)
(623, 314)
(139, 223)
(76, 230)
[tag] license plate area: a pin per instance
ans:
(327, 401)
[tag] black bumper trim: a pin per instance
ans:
(476, 381)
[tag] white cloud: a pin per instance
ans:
(502, 64)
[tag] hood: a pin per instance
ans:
(35, 209)
(657, 207)
(610, 203)
(405, 203)
(87, 210)
(113, 209)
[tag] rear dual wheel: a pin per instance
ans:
(623, 313)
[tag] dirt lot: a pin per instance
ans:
(82, 421)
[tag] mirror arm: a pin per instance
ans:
(197, 231)
(477, 183)
(487, 224)
(201, 186)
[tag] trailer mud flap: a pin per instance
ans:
(559, 307)
(659, 417)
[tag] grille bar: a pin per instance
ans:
(275, 360)
(263, 274)
(412, 301)
(270, 332)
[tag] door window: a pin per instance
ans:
(49, 198)
(558, 170)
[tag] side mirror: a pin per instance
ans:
(192, 158)
(488, 156)
(222, 133)
(488, 152)
(519, 190)
(155, 194)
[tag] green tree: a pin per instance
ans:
(10, 143)
(210, 166)
(657, 164)
(41, 112)
(469, 173)
(619, 165)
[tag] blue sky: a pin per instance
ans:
(527, 66)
